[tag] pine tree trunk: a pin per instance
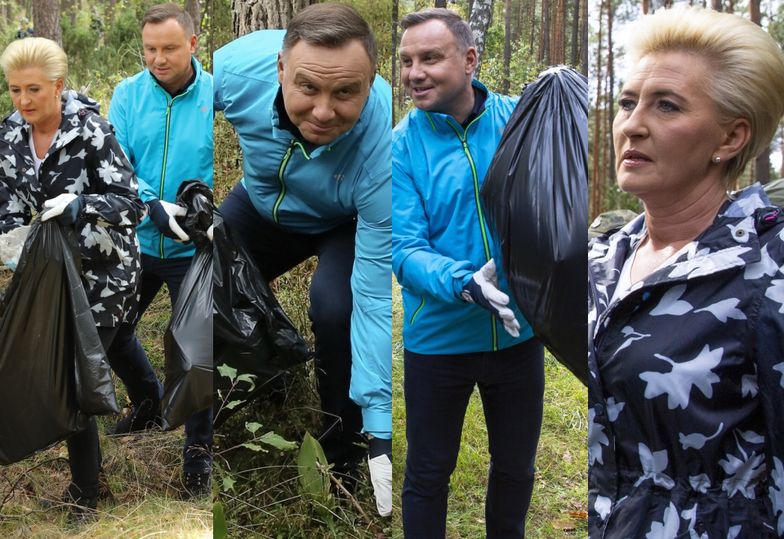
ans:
(597, 183)
(584, 40)
(193, 9)
(610, 93)
(575, 30)
(251, 15)
(46, 20)
(544, 54)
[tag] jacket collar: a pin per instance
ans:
(446, 124)
(74, 107)
(730, 242)
(197, 69)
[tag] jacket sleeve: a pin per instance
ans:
(115, 199)
(417, 265)
(119, 119)
(13, 210)
(769, 352)
(371, 317)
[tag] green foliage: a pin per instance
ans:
(523, 68)
(219, 530)
(314, 476)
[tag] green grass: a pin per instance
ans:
(560, 492)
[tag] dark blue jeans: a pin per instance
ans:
(129, 361)
(275, 251)
(437, 389)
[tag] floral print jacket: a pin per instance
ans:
(84, 159)
(686, 396)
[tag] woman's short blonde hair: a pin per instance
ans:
(35, 52)
(747, 67)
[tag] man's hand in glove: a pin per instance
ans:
(483, 290)
(380, 464)
(65, 207)
(163, 215)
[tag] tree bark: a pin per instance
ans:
(597, 185)
(194, 10)
(716, 5)
(481, 15)
(557, 34)
(46, 20)
(610, 94)
(251, 15)
(575, 31)
(544, 42)
(584, 40)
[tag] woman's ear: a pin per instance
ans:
(737, 134)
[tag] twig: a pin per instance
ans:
(354, 502)
(21, 476)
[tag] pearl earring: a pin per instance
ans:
(716, 159)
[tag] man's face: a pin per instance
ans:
(434, 71)
(167, 53)
(324, 89)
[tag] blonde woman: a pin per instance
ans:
(58, 157)
(686, 306)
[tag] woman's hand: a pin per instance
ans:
(65, 207)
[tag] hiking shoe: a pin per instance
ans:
(142, 417)
(197, 484)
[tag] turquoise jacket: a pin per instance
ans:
(167, 140)
(312, 191)
(440, 235)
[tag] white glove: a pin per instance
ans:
(163, 215)
(381, 477)
(55, 206)
(209, 233)
(483, 290)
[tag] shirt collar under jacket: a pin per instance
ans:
(188, 85)
(446, 123)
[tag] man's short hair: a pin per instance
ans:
(331, 26)
(459, 28)
(163, 12)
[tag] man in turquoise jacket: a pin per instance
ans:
(314, 124)
(163, 120)
(460, 327)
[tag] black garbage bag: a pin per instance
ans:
(536, 196)
(253, 336)
(188, 340)
(53, 369)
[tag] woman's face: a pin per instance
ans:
(666, 131)
(34, 95)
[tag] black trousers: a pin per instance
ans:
(129, 360)
(437, 389)
(275, 251)
(84, 451)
